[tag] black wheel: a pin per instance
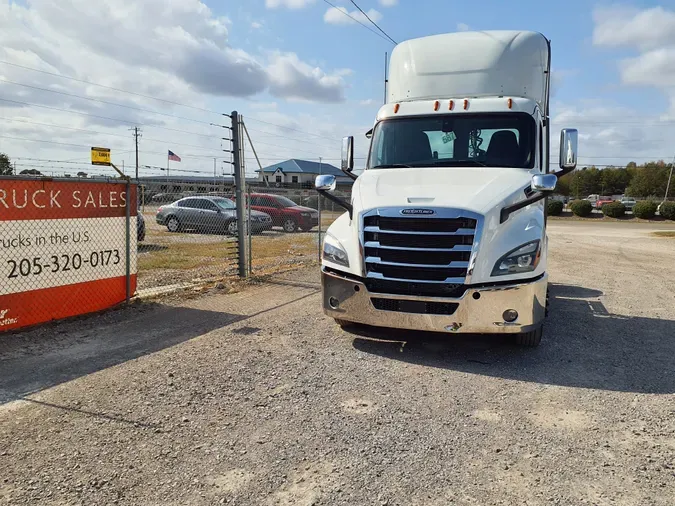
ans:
(290, 225)
(173, 224)
(531, 339)
(232, 228)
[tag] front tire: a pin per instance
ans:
(530, 339)
(173, 224)
(232, 228)
(290, 225)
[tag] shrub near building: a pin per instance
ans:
(614, 210)
(554, 207)
(581, 208)
(645, 209)
(668, 210)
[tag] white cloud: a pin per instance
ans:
(462, 27)
(341, 16)
(290, 4)
(175, 50)
(625, 26)
(388, 3)
(186, 43)
(651, 33)
(256, 25)
(294, 79)
(367, 102)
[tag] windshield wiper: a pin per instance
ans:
(392, 166)
(457, 163)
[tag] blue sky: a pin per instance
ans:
(304, 75)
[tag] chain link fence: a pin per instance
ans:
(72, 246)
(189, 234)
(299, 219)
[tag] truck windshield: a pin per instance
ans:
(457, 140)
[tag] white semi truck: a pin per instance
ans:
(446, 227)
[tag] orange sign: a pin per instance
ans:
(63, 248)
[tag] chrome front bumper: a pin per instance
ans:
(479, 310)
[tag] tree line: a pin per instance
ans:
(648, 180)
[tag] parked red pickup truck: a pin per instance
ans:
(284, 212)
(602, 201)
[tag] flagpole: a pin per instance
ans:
(167, 171)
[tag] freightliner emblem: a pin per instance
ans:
(418, 211)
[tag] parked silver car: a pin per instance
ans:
(628, 202)
(208, 214)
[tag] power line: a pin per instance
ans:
(287, 147)
(294, 139)
(111, 88)
(88, 147)
(105, 117)
(108, 133)
(293, 129)
(74, 95)
(373, 22)
(354, 19)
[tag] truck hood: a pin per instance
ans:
(476, 189)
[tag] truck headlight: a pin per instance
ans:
(525, 258)
(334, 252)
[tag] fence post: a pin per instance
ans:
(250, 235)
(128, 242)
(239, 181)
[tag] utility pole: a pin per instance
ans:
(137, 134)
(670, 176)
(239, 192)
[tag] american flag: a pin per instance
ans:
(173, 156)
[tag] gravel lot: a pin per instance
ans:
(256, 398)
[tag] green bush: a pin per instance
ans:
(645, 209)
(554, 207)
(581, 208)
(614, 209)
(668, 210)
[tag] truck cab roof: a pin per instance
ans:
(496, 63)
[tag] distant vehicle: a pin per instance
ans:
(284, 212)
(628, 202)
(602, 201)
(212, 214)
(593, 198)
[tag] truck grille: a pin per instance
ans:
(425, 250)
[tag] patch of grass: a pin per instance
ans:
(185, 256)
(284, 245)
(662, 233)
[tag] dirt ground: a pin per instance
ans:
(256, 398)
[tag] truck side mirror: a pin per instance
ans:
(568, 148)
(348, 154)
(544, 182)
(325, 182)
